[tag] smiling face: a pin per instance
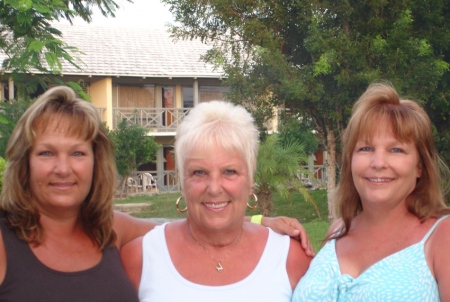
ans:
(384, 169)
(61, 169)
(216, 188)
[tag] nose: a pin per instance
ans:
(62, 166)
(214, 185)
(378, 159)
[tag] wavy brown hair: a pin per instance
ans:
(381, 109)
(96, 212)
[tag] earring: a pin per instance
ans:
(256, 202)
(176, 204)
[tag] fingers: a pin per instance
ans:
(299, 232)
(291, 227)
(306, 243)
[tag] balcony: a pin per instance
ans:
(153, 119)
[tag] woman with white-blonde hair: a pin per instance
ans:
(214, 254)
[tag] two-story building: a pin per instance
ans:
(142, 75)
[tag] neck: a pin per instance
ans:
(60, 226)
(384, 220)
(218, 253)
(214, 238)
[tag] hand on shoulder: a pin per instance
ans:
(297, 263)
(293, 228)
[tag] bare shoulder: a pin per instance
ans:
(334, 227)
(439, 248)
(297, 262)
(133, 247)
(131, 255)
(440, 238)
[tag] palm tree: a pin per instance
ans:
(277, 171)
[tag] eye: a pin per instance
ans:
(79, 153)
(45, 153)
(397, 150)
(199, 172)
(365, 149)
(230, 172)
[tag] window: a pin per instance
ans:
(188, 97)
(134, 96)
(212, 93)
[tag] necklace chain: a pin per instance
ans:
(219, 267)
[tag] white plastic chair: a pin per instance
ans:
(148, 182)
(133, 183)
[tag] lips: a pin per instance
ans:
(60, 184)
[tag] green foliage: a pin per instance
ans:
(133, 147)
(294, 128)
(2, 170)
(10, 112)
(278, 169)
(317, 57)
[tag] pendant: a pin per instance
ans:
(219, 267)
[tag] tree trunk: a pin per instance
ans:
(331, 174)
(265, 202)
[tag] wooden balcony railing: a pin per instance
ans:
(142, 182)
(154, 119)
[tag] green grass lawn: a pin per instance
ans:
(163, 206)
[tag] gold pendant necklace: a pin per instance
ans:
(219, 267)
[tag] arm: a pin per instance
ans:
(128, 228)
(439, 250)
(131, 255)
(289, 226)
(297, 263)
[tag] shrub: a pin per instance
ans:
(2, 170)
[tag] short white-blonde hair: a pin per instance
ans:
(217, 124)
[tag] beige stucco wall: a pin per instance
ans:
(101, 95)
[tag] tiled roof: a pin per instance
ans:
(112, 51)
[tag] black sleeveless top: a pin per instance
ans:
(29, 280)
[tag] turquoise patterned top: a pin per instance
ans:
(402, 276)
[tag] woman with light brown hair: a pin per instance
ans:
(59, 235)
(392, 241)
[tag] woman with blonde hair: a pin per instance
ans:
(214, 254)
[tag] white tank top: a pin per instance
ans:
(161, 282)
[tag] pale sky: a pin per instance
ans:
(141, 13)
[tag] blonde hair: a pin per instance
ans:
(381, 105)
(82, 120)
(217, 123)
